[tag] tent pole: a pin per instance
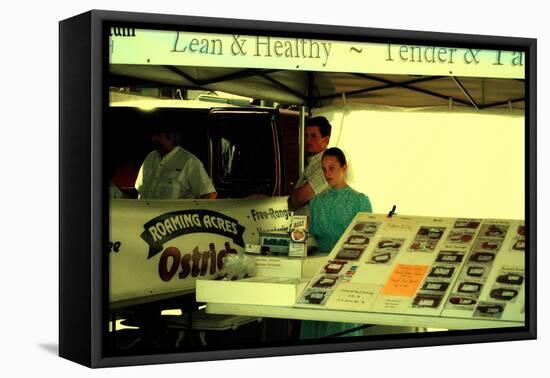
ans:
(301, 136)
(459, 84)
(310, 89)
(303, 109)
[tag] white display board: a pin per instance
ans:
(448, 267)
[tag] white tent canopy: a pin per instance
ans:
(300, 70)
(394, 121)
(431, 161)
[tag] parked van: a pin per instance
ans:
(245, 150)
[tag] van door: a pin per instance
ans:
(244, 152)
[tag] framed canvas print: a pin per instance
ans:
(234, 188)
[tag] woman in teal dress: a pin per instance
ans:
(331, 213)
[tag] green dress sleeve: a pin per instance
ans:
(364, 204)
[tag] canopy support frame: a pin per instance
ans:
(283, 86)
(466, 93)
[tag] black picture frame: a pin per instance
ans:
(83, 208)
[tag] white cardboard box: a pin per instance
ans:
(268, 291)
(288, 267)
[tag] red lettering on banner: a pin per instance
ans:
(221, 255)
(196, 260)
(194, 263)
(185, 266)
(204, 266)
(165, 273)
(213, 261)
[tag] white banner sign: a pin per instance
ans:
(161, 247)
(153, 47)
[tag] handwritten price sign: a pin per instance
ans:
(404, 280)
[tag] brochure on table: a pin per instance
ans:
(451, 267)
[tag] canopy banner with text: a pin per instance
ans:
(179, 48)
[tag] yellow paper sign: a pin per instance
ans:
(404, 280)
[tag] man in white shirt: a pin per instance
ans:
(312, 181)
(171, 172)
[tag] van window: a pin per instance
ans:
(244, 159)
(128, 138)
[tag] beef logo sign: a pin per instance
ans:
(171, 225)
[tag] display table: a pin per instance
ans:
(358, 317)
(409, 271)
